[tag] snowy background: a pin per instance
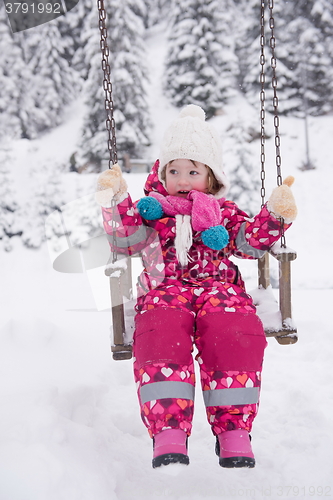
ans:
(69, 422)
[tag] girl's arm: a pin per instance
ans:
(250, 238)
(131, 235)
(124, 226)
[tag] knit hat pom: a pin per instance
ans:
(150, 208)
(216, 237)
(193, 111)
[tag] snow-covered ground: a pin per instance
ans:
(69, 422)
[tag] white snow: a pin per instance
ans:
(69, 422)
(267, 307)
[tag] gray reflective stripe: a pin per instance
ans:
(162, 390)
(229, 397)
(244, 247)
(131, 240)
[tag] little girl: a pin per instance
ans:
(191, 294)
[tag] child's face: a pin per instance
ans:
(182, 176)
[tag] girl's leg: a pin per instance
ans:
(231, 348)
(163, 366)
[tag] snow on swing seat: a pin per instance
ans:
(267, 309)
(129, 311)
(276, 318)
(269, 312)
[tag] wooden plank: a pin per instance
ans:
(263, 271)
(117, 309)
(126, 280)
(285, 290)
(286, 334)
(291, 338)
(119, 349)
(283, 254)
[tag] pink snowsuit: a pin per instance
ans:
(204, 305)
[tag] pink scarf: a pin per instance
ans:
(199, 211)
(203, 208)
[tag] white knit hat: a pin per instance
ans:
(191, 137)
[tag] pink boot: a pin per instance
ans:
(234, 449)
(170, 447)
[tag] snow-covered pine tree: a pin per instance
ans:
(128, 75)
(8, 205)
(139, 8)
(36, 82)
(92, 146)
(83, 218)
(304, 55)
(77, 221)
(46, 198)
(243, 167)
(53, 83)
(249, 51)
(308, 28)
(74, 29)
(322, 16)
(248, 45)
(155, 11)
(201, 66)
(13, 78)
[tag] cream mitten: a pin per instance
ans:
(110, 184)
(282, 202)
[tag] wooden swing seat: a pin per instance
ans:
(286, 333)
(120, 277)
(122, 304)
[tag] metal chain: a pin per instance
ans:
(272, 43)
(107, 86)
(109, 108)
(262, 104)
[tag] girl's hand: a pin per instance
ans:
(282, 202)
(110, 184)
